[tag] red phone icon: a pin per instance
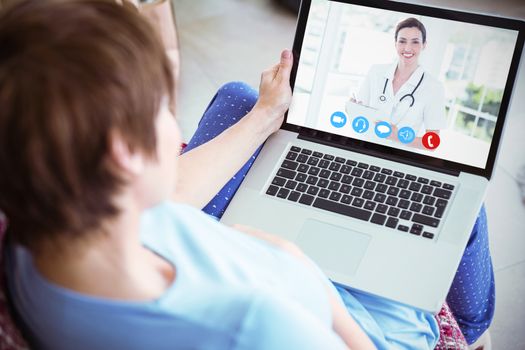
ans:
(431, 140)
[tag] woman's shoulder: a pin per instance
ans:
(170, 216)
(168, 208)
(188, 233)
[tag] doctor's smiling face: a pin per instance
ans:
(409, 44)
(411, 38)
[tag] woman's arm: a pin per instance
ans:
(342, 322)
(223, 156)
(227, 153)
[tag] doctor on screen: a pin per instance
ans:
(403, 93)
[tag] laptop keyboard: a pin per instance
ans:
(363, 191)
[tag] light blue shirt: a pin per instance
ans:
(232, 291)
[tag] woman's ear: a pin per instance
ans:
(128, 161)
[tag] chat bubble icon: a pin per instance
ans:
(383, 129)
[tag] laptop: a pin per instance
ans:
(384, 202)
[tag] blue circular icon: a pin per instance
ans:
(383, 129)
(338, 119)
(360, 124)
(406, 134)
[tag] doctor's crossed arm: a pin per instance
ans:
(363, 95)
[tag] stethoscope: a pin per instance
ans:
(382, 97)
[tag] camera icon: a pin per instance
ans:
(338, 119)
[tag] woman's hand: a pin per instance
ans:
(225, 154)
(277, 241)
(275, 93)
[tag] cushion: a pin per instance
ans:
(450, 336)
(10, 337)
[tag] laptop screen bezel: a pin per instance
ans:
(427, 161)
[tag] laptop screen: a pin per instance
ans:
(429, 84)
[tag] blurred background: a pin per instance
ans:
(229, 40)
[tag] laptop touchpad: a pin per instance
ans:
(333, 248)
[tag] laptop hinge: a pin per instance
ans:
(366, 148)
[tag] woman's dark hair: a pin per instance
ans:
(71, 73)
(412, 23)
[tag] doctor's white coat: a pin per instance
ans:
(428, 111)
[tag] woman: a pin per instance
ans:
(100, 258)
(404, 90)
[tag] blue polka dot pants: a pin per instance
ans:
(471, 296)
(232, 102)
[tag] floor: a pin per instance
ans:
(238, 39)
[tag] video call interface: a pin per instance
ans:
(421, 84)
